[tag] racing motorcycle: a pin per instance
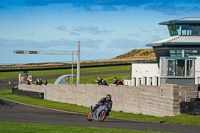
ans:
(100, 113)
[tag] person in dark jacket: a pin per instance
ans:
(106, 100)
(117, 82)
(99, 81)
(104, 83)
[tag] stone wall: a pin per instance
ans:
(150, 100)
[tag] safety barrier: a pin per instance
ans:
(32, 94)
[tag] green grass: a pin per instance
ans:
(107, 77)
(9, 75)
(11, 127)
(180, 119)
(91, 79)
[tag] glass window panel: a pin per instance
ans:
(187, 53)
(189, 32)
(172, 30)
(180, 67)
(171, 68)
(190, 67)
(179, 53)
(194, 51)
(184, 32)
(172, 53)
(195, 30)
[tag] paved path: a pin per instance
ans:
(13, 82)
(16, 112)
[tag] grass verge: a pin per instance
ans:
(180, 119)
(11, 127)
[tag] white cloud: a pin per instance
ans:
(91, 29)
(61, 28)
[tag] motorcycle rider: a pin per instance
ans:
(106, 100)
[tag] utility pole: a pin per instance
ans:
(72, 77)
(78, 65)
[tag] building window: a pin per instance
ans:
(180, 67)
(150, 81)
(187, 53)
(171, 68)
(189, 67)
(185, 30)
(182, 52)
(194, 52)
(145, 80)
(139, 81)
(172, 53)
(179, 53)
(134, 81)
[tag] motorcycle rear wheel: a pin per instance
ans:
(89, 118)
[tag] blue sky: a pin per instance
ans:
(106, 28)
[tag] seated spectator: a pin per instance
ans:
(37, 81)
(46, 82)
(28, 82)
(117, 82)
(104, 83)
(99, 81)
(40, 82)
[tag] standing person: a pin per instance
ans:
(99, 81)
(22, 78)
(117, 82)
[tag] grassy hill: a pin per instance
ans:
(142, 53)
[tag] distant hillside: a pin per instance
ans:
(137, 53)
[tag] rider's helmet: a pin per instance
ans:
(108, 97)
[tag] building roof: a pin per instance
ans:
(188, 20)
(177, 40)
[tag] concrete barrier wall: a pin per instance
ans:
(149, 100)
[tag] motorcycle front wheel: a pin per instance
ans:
(102, 116)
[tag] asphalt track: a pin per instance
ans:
(17, 112)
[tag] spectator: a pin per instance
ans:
(104, 83)
(46, 82)
(22, 78)
(99, 81)
(28, 82)
(40, 82)
(117, 82)
(37, 81)
(30, 78)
